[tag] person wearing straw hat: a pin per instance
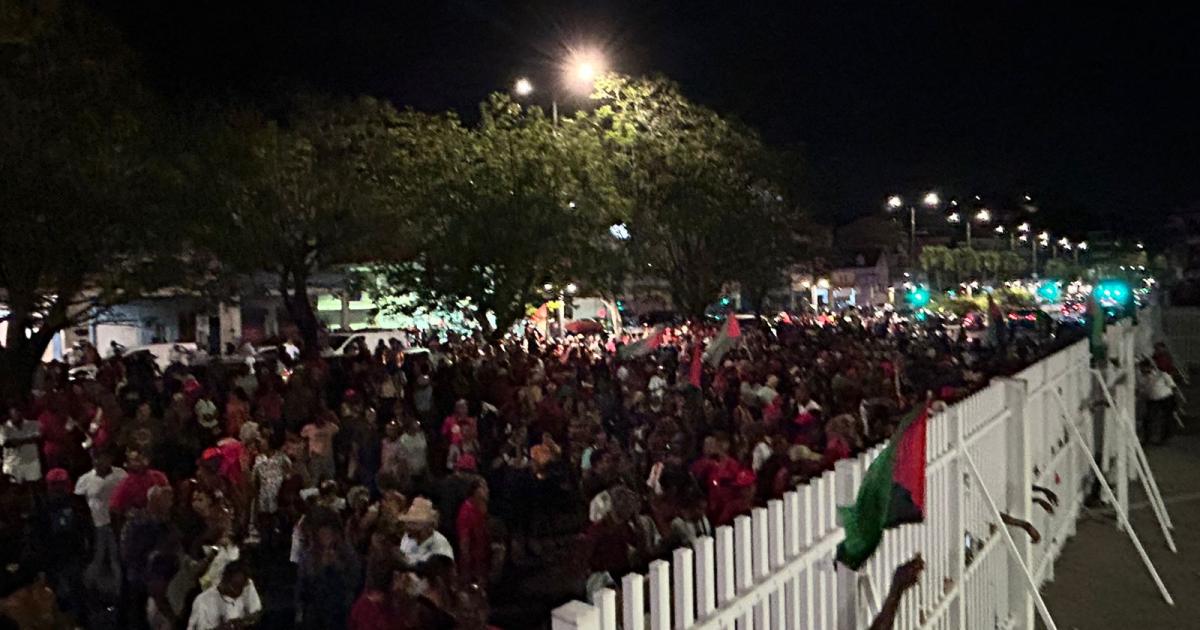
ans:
(421, 538)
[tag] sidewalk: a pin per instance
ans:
(1100, 582)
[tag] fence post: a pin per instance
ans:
(633, 589)
(958, 559)
(660, 595)
(607, 602)
(847, 579)
(684, 595)
(575, 616)
(706, 564)
(1019, 497)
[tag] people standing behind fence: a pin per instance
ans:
(414, 485)
(1159, 391)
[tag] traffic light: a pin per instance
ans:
(918, 296)
(621, 306)
(1114, 290)
(725, 301)
(1049, 291)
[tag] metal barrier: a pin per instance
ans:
(775, 568)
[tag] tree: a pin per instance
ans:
(314, 189)
(91, 210)
(936, 260)
(501, 209)
(694, 183)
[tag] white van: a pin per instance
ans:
(338, 344)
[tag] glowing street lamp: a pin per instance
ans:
(523, 87)
(1024, 227)
(1082, 246)
(999, 229)
(953, 217)
(894, 202)
(581, 68)
(932, 199)
(983, 216)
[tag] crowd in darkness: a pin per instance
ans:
(406, 485)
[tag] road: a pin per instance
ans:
(1100, 581)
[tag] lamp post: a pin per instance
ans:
(1024, 228)
(895, 202)
(579, 74)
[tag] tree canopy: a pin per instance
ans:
(93, 194)
(501, 209)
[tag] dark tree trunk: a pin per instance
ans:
(294, 290)
(21, 355)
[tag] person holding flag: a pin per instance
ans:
(728, 339)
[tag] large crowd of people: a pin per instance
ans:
(426, 482)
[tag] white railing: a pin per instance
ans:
(775, 568)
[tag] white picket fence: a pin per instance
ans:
(775, 568)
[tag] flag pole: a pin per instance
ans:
(1043, 612)
(1122, 518)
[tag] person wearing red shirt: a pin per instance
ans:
(474, 543)
(130, 494)
(732, 498)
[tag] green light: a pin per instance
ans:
(724, 301)
(918, 296)
(1115, 290)
(1049, 291)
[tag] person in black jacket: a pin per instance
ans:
(66, 534)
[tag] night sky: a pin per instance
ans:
(1088, 110)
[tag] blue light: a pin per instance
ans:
(918, 296)
(1049, 291)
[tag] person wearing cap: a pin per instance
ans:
(421, 538)
(65, 529)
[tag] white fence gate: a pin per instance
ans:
(775, 568)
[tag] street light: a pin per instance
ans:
(1082, 246)
(895, 202)
(983, 216)
(581, 68)
(572, 288)
(953, 217)
(1024, 227)
(523, 87)
(932, 199)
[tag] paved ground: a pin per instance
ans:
(1100, 581)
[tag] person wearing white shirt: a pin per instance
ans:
(1158, 388)
(19, 436)
(96, 486)
(422, 540)
(231, 603)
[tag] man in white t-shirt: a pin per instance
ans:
(19, 436)
(231, 603)
(97, 486)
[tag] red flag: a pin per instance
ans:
(697, 370)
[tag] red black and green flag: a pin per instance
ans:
(892, 492)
